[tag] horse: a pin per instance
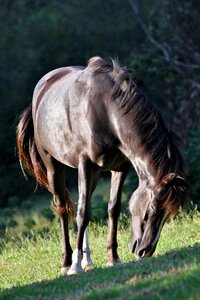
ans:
(95, 118)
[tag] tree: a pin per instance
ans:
(171, 30)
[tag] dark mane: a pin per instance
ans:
(155, 142)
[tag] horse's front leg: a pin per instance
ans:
(87, 178)
(86, 260)
(114, 207)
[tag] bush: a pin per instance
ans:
(48, 214)
(7, 212)
(26, 204)
(30, 223)
(12, 224)
(2, 228)
(193, 159)
(14, 201)
(99, 209)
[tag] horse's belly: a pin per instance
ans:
(113, 161)
(61, 146)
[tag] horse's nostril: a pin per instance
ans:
(134, 245)
(145, 252)
(141, 253)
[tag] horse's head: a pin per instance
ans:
(150, 208)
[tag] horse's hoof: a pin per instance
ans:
(88, 267)
(110, 264)
(64, 270)
(73, 270)
(87, 264)
(113, 263)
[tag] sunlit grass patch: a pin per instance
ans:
(30, 266)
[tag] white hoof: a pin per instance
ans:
(76, 267)
(110, 264)
(87, 264)
(64, 270)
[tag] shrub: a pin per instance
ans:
(14, 201)
(193, 159)
(7, 212)
(99, 208)
(30, 223)
(2, 228)
(26, 204)
(48, 214)
(12, 224)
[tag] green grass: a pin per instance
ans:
(30, 269)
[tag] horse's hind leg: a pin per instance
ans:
(87, 178)
(114, 207)
(56, 182)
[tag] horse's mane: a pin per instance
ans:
(155, 142)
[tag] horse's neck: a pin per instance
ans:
(130, 146)
(144, 169)
(142, 164)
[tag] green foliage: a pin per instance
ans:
(2, 228)
(48, 214)
(26, 204)
(193, 158)
(7, 212)
(30, 223)
(12, 224)
(38, 37)
(14, 201)
(99, 209)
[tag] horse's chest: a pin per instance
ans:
(109, 159)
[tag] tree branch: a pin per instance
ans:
(146, 31)
(164, 48)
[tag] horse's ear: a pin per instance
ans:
(168, 178)
(173, 179)
(176, 191)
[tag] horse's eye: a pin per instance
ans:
(142, 227)
(146, 216)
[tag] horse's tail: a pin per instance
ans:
(29, 157)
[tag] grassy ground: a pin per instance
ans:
(30, 268)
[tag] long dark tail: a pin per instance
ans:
(29, 157)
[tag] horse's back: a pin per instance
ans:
(48, 81)
(72, 115)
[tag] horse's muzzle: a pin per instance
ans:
(140, 251)
(144, 252)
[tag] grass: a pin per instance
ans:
(30, 268)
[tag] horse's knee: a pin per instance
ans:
(83, 217)
(113, 210)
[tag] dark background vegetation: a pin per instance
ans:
(158, 40)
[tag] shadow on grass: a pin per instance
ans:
(174, 275)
